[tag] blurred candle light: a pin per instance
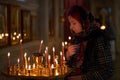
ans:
(69, 38)
(13, 38)
(6, 34)
(15, 33)
(103, 27)
(1, 36)
(65, 42)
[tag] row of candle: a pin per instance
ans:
(26, 62)
(28, 67)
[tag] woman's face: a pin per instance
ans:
(75, 25)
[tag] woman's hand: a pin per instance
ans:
(71, 50)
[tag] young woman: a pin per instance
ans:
(89, 54)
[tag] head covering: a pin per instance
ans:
(80, 14)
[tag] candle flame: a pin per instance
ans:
(61, 53)
(20, 40)
(62, 43)
(103, 27)
(56, 61)
(65, 42)
(69, 37)
(52, 66)
(49, 57)
(18, 60)
(25, 54)
(29, 67)
(53, 49)
(41, 41)
(8, 54)
(46, 48)
(28, 58)
(34, 66)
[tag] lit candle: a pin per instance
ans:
(69, 40)
(34, 66)
(46, 56)
(62, 50)
(28, 60)
(56, 62)
(40, 46)
(8, 59)
(53, 69)
(61, 59)
(21, 52)
(29, 68)
(64, 60)
(54, 56)
(66, 43)
(18, 62)
(49, 61)
(25, 59)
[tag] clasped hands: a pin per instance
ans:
(71, 50)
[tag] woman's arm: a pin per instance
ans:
(104, 68)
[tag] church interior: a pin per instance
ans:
(37, 20)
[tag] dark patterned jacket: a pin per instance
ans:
(97, 63)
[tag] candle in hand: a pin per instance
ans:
(8, 59)
(69, 40)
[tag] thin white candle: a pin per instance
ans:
(25, 59)
(40, 46)
(18, 60)
(62, 49)
(49, 61)
(61, 59)
(21, 52)
(8, 59)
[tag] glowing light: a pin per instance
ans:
(69, 37)
(103, 27)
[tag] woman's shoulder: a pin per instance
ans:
(97, 33)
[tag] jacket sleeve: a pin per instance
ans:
(103, 68)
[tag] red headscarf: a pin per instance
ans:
(80, 14)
